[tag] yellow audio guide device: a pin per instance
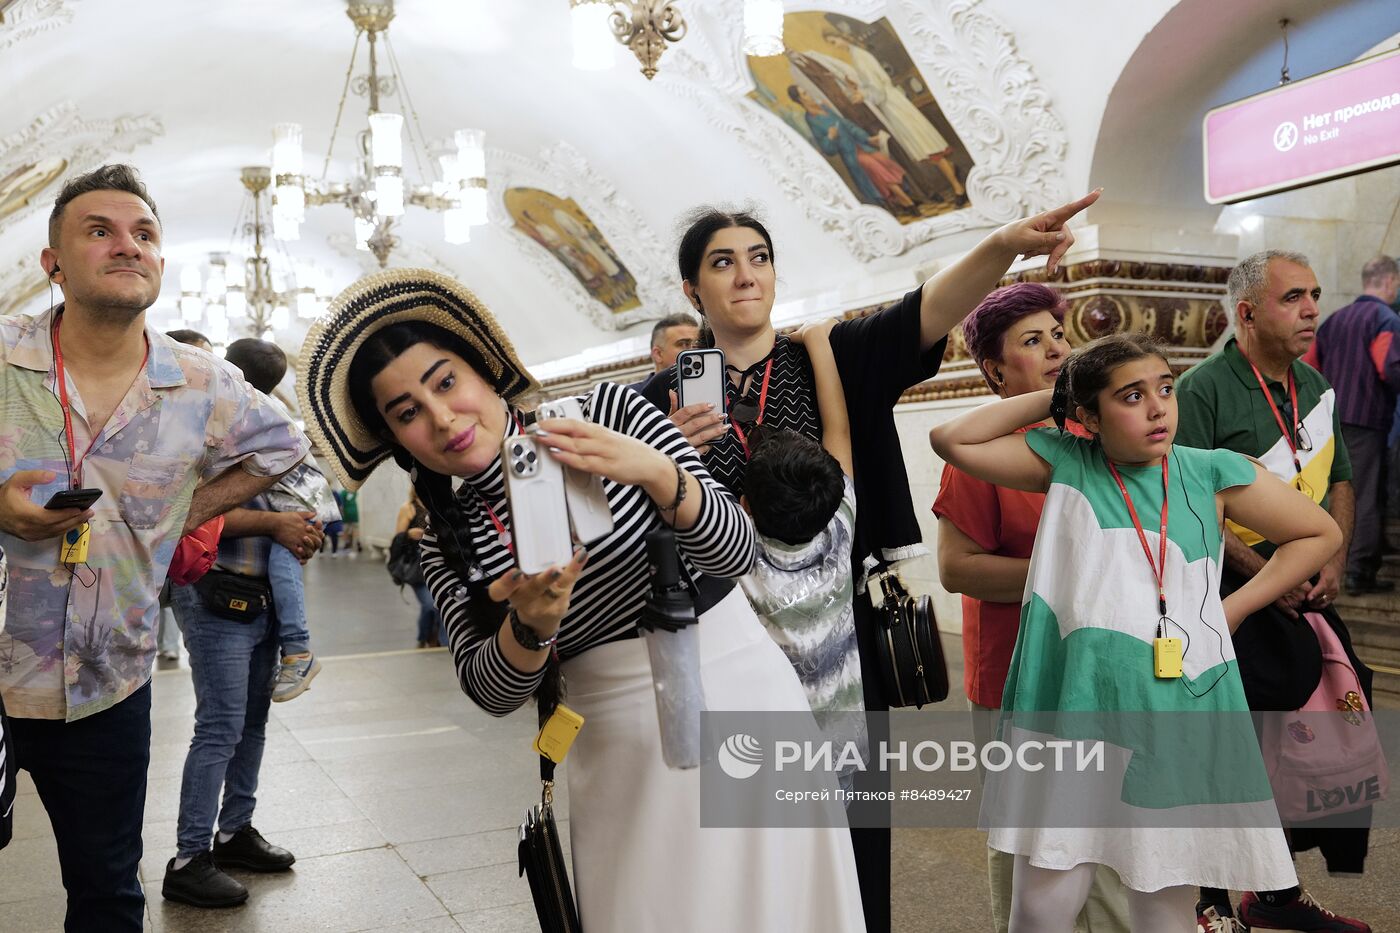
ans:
(558, 733)
(74, 549)
(1166, 657)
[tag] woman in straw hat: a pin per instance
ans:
(408, 364)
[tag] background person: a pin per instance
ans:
(728, 273)
(1086, 639)
(412, 522)
(1256, 397)
(303, 491)
(672, 334)
(1358, 351)
(168, 631)
(433, 385)
(986, 533)
(120, 407)
(233, 667)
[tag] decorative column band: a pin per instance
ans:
(1179, 304)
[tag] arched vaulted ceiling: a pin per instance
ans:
(1201, 54)
(189, 92)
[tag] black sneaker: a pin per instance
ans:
(248, 849)
(201, 884)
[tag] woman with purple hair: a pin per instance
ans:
(985, 535)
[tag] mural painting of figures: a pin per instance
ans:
(852, 91)
(561, 226)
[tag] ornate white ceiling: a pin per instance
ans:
(189, 92)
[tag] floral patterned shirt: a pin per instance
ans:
(78, 642)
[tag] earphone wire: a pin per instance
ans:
(63, 449)
(1205, 595)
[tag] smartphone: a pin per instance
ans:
(590, 516)
(73, 499)
(539, 514)
(700, 378)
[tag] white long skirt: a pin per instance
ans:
(641, 861)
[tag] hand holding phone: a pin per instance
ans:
(73, 499)
(700, 378)
(21, 517)
(590, 516)
(539, 514)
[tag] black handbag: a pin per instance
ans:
(912, 663)
(234, 596)
(405, 560)
(542, 861)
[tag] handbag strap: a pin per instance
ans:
(893, 588)
(546, 766)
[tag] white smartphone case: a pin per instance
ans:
(589, 512)
(700, 378)
(539, 515)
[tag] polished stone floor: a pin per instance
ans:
(401, 801)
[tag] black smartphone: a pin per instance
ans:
(73, 499)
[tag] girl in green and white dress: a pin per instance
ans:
(1183, 800)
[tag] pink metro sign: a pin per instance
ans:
(1337, 123)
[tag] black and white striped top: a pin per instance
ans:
(608, 598)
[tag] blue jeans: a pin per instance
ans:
(91, 778)
(289, 596)
(428, 621)
(231, 665)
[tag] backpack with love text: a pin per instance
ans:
(1325, 759)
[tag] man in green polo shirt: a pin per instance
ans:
(1257, 397)
(1222, 403)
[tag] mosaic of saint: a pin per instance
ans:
(561, 226)
(851, 90)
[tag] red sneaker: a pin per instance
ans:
(1304, 915)
(1211, 920)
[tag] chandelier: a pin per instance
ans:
(648, 26)
(248, 289)
(377, 194)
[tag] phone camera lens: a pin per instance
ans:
(531, 456)
(519, 466)
(517, 449)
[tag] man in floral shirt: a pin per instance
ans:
(90, 396)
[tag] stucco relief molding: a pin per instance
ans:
(21, 280)
(85, 144)
(29, 18)
(987, 90)
(563, 171)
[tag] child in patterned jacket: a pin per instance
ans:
(803, 502)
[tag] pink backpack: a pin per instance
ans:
(1326, 758)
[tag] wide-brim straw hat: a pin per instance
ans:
(370, 305)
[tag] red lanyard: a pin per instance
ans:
(501, 534)
(762, 403)
(1158, 573)
(1278, 416)
(77, 464)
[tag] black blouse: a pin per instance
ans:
(878, 357)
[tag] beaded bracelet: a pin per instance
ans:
(680, 489)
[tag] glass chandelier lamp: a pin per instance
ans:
(251, 289)
(379, 193)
